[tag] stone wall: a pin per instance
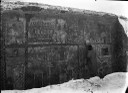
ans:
(46, 46)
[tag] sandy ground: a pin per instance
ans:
(112, 83)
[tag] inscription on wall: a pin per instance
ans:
(54, 30)
(40, 30)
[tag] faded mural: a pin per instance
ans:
(54, 45)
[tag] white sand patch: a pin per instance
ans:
(112, 83)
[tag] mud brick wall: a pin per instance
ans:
(46, 46)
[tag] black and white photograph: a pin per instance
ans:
(64, 46)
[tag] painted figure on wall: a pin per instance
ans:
(91, 60)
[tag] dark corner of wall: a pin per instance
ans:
(119, 43)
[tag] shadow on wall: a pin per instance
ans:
(119, 63)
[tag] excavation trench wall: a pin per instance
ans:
(46, 46)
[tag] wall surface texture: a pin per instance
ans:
(44, 46)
